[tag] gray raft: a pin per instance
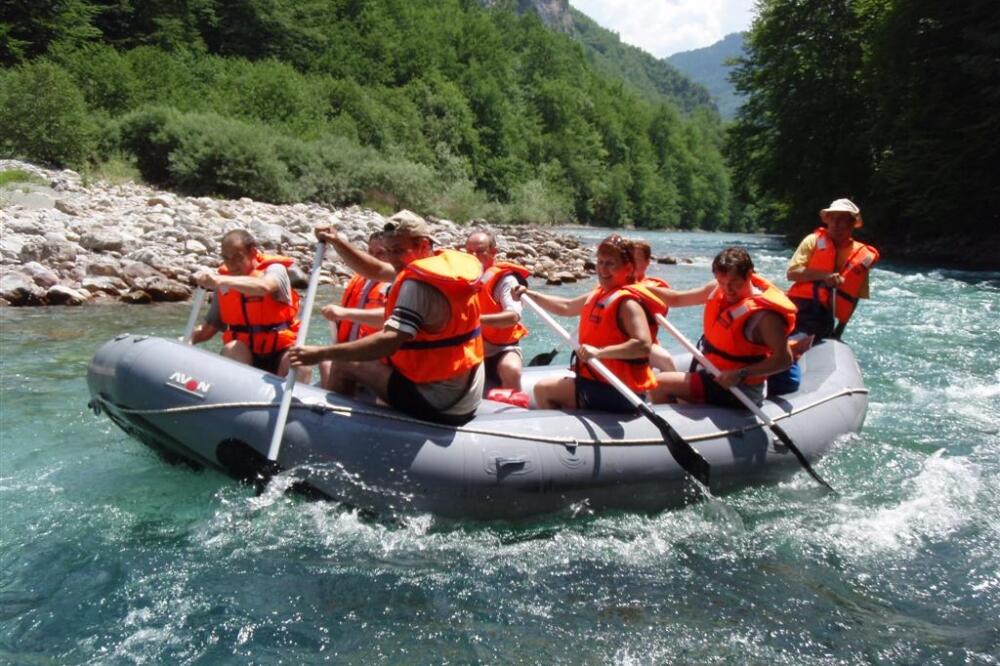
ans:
(194, 406)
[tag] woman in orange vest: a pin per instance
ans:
(659, 357)
(746, 325)
(255, 305)
(826, 260)
(615, 321)
(427, 361)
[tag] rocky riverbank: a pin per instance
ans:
(66, 243)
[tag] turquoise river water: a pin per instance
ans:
(108, 555)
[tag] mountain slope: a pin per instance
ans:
(708, 67)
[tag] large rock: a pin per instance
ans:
(60, 294)
(102, 240)
(104, 284)
(19, 289)
(42, 276)
(161, 289)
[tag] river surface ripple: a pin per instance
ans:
(110, 556)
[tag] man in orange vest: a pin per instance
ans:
(362, 305)
(829, 272)
(427, 361)
(255, 305)
(501, 314)
(746, 325)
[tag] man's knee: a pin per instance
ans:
(237, 351)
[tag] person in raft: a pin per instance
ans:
(501, 314)
(642, 254)
(427, 361)
(255, 306)
(746, 325)
(615, 322)
(361, 311)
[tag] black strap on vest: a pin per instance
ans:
(260, 328)
(709, 348)
(443, 342)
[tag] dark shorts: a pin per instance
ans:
(786, 381)
(405, 397)
(601, 397)
(813, 318)
(268, 362)
(490, 364)
(704, 389)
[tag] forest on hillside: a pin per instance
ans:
(894, 103)
(437, 105)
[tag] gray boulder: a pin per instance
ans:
(60, 294)
(19, 289)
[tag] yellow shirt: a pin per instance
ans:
(805, 249)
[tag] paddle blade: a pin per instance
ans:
(543, 359)
(689, 459)
(787, 441)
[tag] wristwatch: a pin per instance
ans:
(743, 374)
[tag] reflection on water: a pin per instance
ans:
(108, 555)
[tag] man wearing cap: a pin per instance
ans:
(830, 272)
(501, 314)
(427, 359)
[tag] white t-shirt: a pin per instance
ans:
(422, 307)
(502, 295)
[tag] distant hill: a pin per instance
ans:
(645, 74)
(707, 67)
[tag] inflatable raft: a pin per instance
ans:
(194, 406)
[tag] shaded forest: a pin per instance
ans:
(437, 105)
(894, 103)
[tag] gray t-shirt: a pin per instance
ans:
(502, 295)
(283, 294)
(422, 307)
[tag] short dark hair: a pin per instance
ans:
(242, 236)
(733, 260)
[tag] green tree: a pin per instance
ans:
(45, 117)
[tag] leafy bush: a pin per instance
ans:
(44, 116)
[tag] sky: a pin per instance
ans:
(665, 27)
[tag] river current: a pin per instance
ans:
(108, 555)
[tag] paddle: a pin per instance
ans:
(689, 459)
(196, 302)
(300, 339)
(742, 397)
(543, 359)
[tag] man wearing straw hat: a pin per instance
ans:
(829, 271)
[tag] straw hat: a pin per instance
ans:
(843, 206)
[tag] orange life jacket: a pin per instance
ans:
(724, 342)
(262, 323)
(599, 327)
(507, 335)
(648, 281)
(458, 347)
(854, 272)
(360, 292)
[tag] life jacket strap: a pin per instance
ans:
(453, 341)
(708, 348)
(260, 328)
